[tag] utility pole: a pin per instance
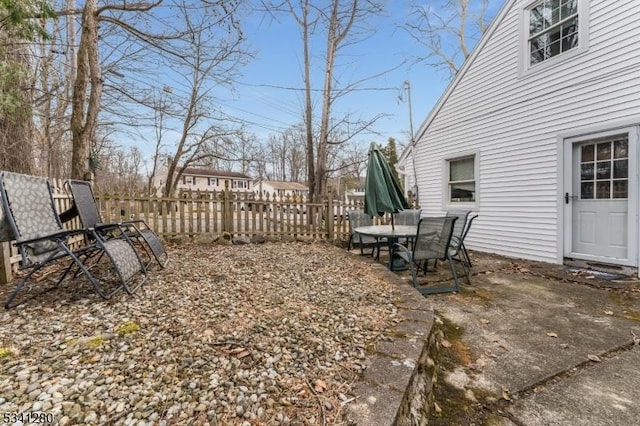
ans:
(412, 141)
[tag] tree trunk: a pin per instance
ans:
(84, 114)
(16, 125)
(308, 111)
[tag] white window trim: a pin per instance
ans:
(445, 180)
(524, 65)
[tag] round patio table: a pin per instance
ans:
(392, 234)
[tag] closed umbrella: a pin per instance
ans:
(382, 192)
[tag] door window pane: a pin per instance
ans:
(604, 151)
(603, 170)
(621, 149)
(621, 169)
(586, 171)
(620, 188)
(586, 190)
(587, 153)
(603, 190)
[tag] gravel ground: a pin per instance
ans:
(254, 334)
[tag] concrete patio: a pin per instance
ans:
(530, 343)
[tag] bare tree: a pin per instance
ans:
(342, 24)
(448, 30)
(53, 82)
(297, 153)
(88, 85)
(203, 59)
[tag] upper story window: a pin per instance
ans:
(213, 181)
(240, 184)
(461, 180)
(554, 27)
(189, 180)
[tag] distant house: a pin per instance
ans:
(205, 179)
(354, 194)
(538, 133)
(281, 189)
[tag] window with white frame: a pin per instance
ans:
(189, 180)
(239, 184)
(213, 181)
(553, 28)
(461, 177)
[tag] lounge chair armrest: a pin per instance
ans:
(106, 226)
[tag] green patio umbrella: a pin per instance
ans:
(382, 192)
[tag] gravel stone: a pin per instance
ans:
(272, 333)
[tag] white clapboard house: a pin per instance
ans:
(538, 133)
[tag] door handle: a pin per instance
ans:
(568, 197)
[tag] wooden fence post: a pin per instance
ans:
(329, 218)
(227, 209)
(6, 274)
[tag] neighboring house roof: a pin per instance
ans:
(215, 173)
(293, 186)
(506, 7)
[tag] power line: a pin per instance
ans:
(302, 89)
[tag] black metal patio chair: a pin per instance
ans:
(358, 218)
(30, 219)
(431, 243)
(409, 217)
(458, 251)
(137, 230)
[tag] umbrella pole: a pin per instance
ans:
(392, 225)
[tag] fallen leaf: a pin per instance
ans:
(243, 354)
(552, 334)
(484, 321)
(538, 389)
(608, 312)
(636, 339)
(505, 347)
(594, 358)
(320, 386)
(445, 343)
(590, 277)
(564, 345)
(437, 407)
(488, 352)
(505, 395)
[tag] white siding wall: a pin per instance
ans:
(513, 122)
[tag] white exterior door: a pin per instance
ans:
(600, 198)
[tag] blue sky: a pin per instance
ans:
(266, 95)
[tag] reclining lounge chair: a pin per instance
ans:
(137, 230)
(29, 217)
